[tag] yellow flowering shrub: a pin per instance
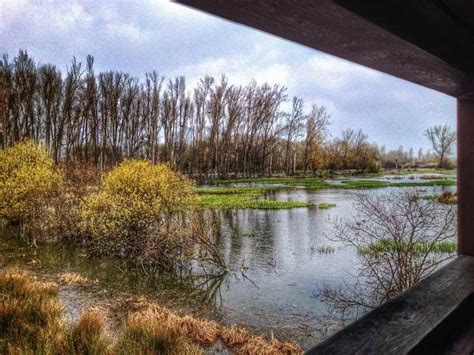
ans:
(28, 181)
(138, 213)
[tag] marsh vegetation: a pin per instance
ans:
(32, 322)
(218, 245)
(217, 203)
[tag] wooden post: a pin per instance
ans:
(465, 168)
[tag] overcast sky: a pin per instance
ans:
(174, 40)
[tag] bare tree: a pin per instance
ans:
(293, 127)
(397, 236)
(97, 120)
(442, 140)
(316, 127)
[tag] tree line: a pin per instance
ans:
(215, 129)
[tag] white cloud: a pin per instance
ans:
(175, 40)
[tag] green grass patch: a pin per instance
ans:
(232, 190)
(421, 171)
(412, 171)
(377, 184)
(318, 184)
(326, 205)
(284, 182)
(384, 246)
(242, 198)
(362, 184)
(250, 197)
(246, 201)
(444, 182)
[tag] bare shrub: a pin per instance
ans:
(400, 240)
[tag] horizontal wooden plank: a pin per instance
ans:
(400, 324)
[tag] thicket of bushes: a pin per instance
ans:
(140, 211)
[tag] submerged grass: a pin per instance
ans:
(242, 198)
(31, 323)
(250, 197)
(419, 171)
(280, 182)
(241, 190)
(326, 205)
(384, 246)
(325, 249)
(376, 184)
(318, 184)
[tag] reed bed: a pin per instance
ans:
(31, 323)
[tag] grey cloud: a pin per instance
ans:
(139, 37)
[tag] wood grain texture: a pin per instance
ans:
(428, 47)
(465, 171)
(400, 324)
(455, 335)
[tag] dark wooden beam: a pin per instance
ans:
(419, 41)
(442, 28)
(465, 168)
(405, 323)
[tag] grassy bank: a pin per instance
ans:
(31, 323)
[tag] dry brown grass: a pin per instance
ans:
(204, 332)
(72, 278)
(30, 315)
(88, 335)
(201, 331)
(154, 332)
(234, 336)
(243, 342)
(448, 197)
(31, 322)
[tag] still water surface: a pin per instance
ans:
(277, 250)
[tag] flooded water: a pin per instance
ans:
(274, 258)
